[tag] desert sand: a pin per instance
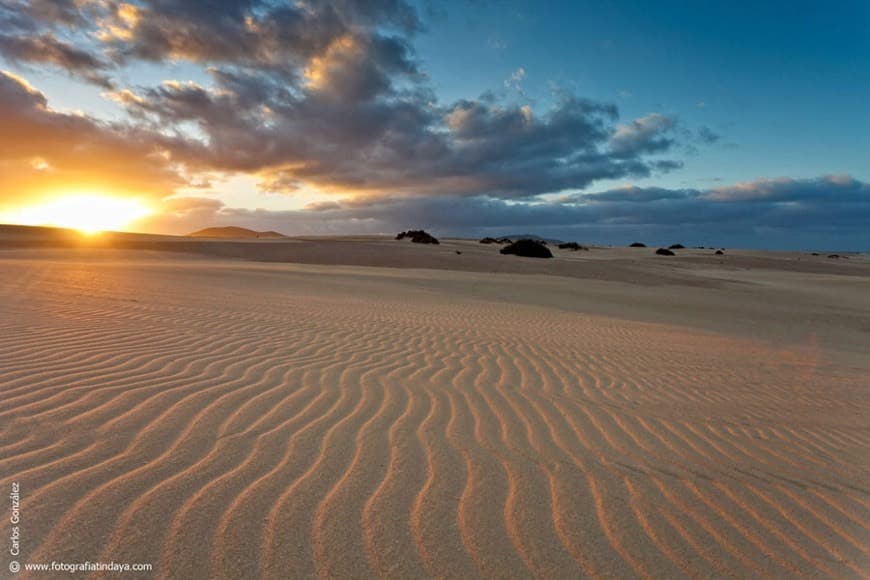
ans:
(362, 407)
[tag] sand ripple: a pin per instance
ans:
(234, 424)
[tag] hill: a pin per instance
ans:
(235, 232)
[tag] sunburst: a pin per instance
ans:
(87, 213)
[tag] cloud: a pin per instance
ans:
(830, 189)
(347, 128)
(649, 134)
(635, 195)
(330, 95)
(708, 136)
(29, 14)
(182, 215)
(43, 151)
(799, 217)
(326, 96)
(515, 81)
(280, 36)
(356, 69)
(47, 49)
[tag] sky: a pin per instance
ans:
(714, 123)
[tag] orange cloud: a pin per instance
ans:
(46, 153)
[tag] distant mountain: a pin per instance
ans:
(235, 232)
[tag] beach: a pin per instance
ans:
(361, 407)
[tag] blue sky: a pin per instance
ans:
(742, 125)
(786, 84)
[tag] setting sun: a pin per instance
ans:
(88, 214)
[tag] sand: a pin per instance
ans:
(416, 413)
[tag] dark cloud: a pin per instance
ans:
(826, 212)
(30, 14)
(338, 136)
(261, 33)
(47, 49)
(330, 94)
(665, 165)
(635, 195)
(28, 36)
(649, 134)
(830, 189)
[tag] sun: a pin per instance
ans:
(89, 214)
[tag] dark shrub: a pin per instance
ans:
(528, 249)
(637, 245)
(418, 237)
(719, 252)
(664, 252)
(572, 246)
(489, 241)
(677, 247)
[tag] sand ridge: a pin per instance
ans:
(232, 420)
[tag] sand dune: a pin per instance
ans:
(229, 419)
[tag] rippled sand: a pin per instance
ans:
(231, 419)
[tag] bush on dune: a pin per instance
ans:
(528, 249)
(418, 237)
(572, 246)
